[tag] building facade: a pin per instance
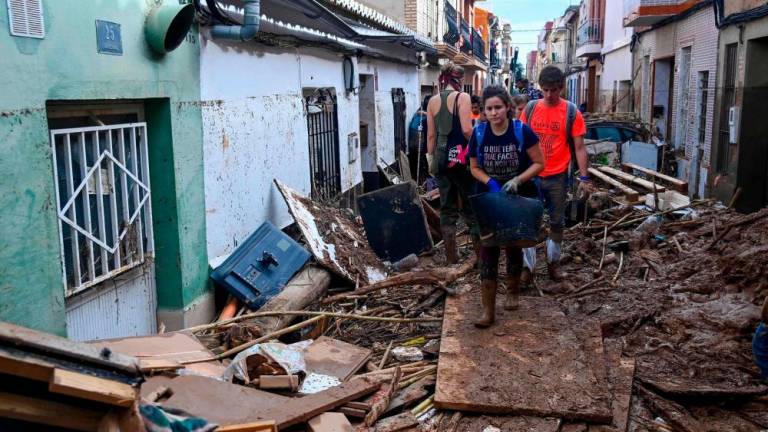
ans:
(739, 147)
(615, 94)
(677, 63)
(102, 136)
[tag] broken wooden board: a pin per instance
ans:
(396, 423)
(330, 422)
(336, 242)
(165, 349)
(529, 363)
(333, 357)
(57, 414)
(261, 426)
(206, 397)
(679, 185)
(621, 373)
(24, 338)
(92, 388)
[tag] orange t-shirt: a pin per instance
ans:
(549, 124)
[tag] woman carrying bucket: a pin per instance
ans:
(502, 151)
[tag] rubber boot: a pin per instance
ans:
(553, 268)
(449, 241)
(512, 302)
(489, 304)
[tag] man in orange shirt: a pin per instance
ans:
(561, 131)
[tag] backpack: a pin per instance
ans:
(479, 132)
(570, 117)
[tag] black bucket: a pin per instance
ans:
(507, 219)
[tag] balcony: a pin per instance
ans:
(478, 46)
(641, 13)
(466, 37)
(589, 38)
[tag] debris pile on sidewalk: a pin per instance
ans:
(650, 331)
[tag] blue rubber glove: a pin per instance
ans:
(493, 185)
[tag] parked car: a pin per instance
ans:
(618, 132)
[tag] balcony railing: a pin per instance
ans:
(590, 32)
(452, 34)
(466, 37)
(478, 45)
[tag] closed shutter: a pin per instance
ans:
(25, 18)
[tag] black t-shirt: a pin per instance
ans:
(500, 158)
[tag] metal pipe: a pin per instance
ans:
(245, 32)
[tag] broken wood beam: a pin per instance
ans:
(50, 413)
(440, 276)
(629, 193)
(92, 388)
(307, 286)
(679, 185)
(632, 179)
(382, 398)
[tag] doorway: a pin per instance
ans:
(368, 155)
(752, 176)
(662, 95)
(683, 98)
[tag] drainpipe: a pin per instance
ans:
(245, 32)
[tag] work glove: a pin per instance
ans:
(512, 185)
(586, 188)
(493, 185)
(431, 168)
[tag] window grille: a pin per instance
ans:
(323, 133)
(103, 199)
(703, 99)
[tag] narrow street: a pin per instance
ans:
(384, 215)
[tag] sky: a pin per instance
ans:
(526, 15)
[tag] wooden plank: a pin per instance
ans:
(157, 352)
(78, 351)
(679, 185)
(400, 422)
(621, 372)
(158, 364)
(260, 426)
(330, 422)
(630, 193)
(530, 363)
(92, 388)
(21, 365)
(49, 413)
(336, 358)
(632, 178)
(352, 412)
(204, 397)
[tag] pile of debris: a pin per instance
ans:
(650, 331)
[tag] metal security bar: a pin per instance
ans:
(323, 130)
(103, 201)
(398, 109)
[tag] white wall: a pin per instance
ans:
(255, 129)
(615, 35)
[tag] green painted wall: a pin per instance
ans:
(66, 66)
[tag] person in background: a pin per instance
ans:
(449, 126)
(417, 141)
(561, 129)
(525, 88)
(476, 109)
(760, 342)
(502, 151)
(518, 102)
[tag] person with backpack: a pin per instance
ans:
(561, 129)
(449, 126)
(502, 151)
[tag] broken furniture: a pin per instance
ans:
(261, 266)
(57, 382)
(335, 358)
(394, 221)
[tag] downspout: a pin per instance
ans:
(245, 32)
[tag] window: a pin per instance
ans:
(103, 199)
(703, 97)
(323, 134)
(729, 100)
(608, 133)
